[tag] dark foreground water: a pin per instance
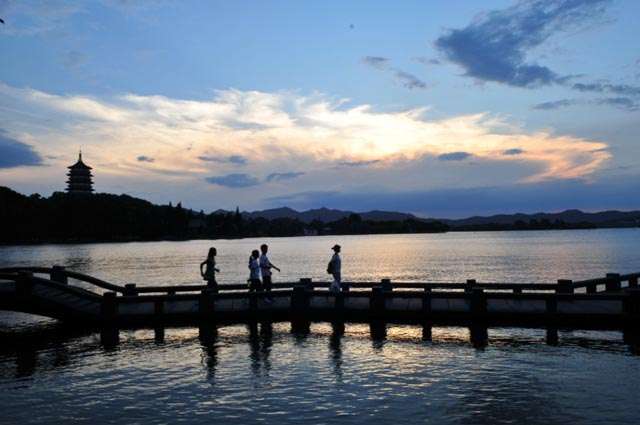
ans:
(265, 373)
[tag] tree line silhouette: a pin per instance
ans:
(102, 217)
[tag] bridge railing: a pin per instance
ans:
(611, 282)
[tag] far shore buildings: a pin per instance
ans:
(80, 178)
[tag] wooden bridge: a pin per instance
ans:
(611, 302)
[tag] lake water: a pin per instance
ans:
(267, 374)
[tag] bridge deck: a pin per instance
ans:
(542, 305)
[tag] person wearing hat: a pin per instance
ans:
(337, 268)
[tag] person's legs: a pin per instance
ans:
(266, 283)
(213, 284)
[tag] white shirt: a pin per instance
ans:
(264, 265)
(337, 263)
(255, 269)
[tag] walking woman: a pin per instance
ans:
(209, 273)
(254, 274)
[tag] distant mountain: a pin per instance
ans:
(599, 219)
(326, 215)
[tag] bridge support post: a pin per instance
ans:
(158, 318)
(427, 322)
(632, 309)
(479, 335)
(58, 274)
(377, 300)
(299, 299)
(24, 285)
(109, 307)
(378, 329)
(552, 335)
(613, 282)
(205, 303)
(478, 304)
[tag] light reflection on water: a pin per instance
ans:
(267, 373)
(537, 256)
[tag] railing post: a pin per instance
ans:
(613, 282)
(633, 282)
(565, 286)
(130, 290)
(470, 284)
(58, 274)
(307, 282)
(386, 285)
(109, 307)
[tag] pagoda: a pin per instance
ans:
(79, 177)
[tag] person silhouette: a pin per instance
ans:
(209, 273)
(254, 272)
(265, 271)
(337, 268)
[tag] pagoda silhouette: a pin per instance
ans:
(79, 177)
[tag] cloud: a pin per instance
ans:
(549, 106)
(233, 159)
(495, 46)
(73, 58)
(359, 163)
(376, 61)
(427, 61)
(283, 176)
(410, 81)
(234, 180)
(622, 103)
(454, 156)
(294, 131)
(14, 153)
(621, 89)
(143, 158)
(513, 152)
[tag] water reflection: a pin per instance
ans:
(260, 342)
(208, 337)
(335, 348)
(41, 350)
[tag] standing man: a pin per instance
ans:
(337, 268)
(265, 270)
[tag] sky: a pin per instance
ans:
(443, 109)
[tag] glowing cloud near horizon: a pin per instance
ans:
(281, 128)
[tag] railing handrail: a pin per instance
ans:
(10, 273)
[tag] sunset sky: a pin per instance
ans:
(444, 109)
